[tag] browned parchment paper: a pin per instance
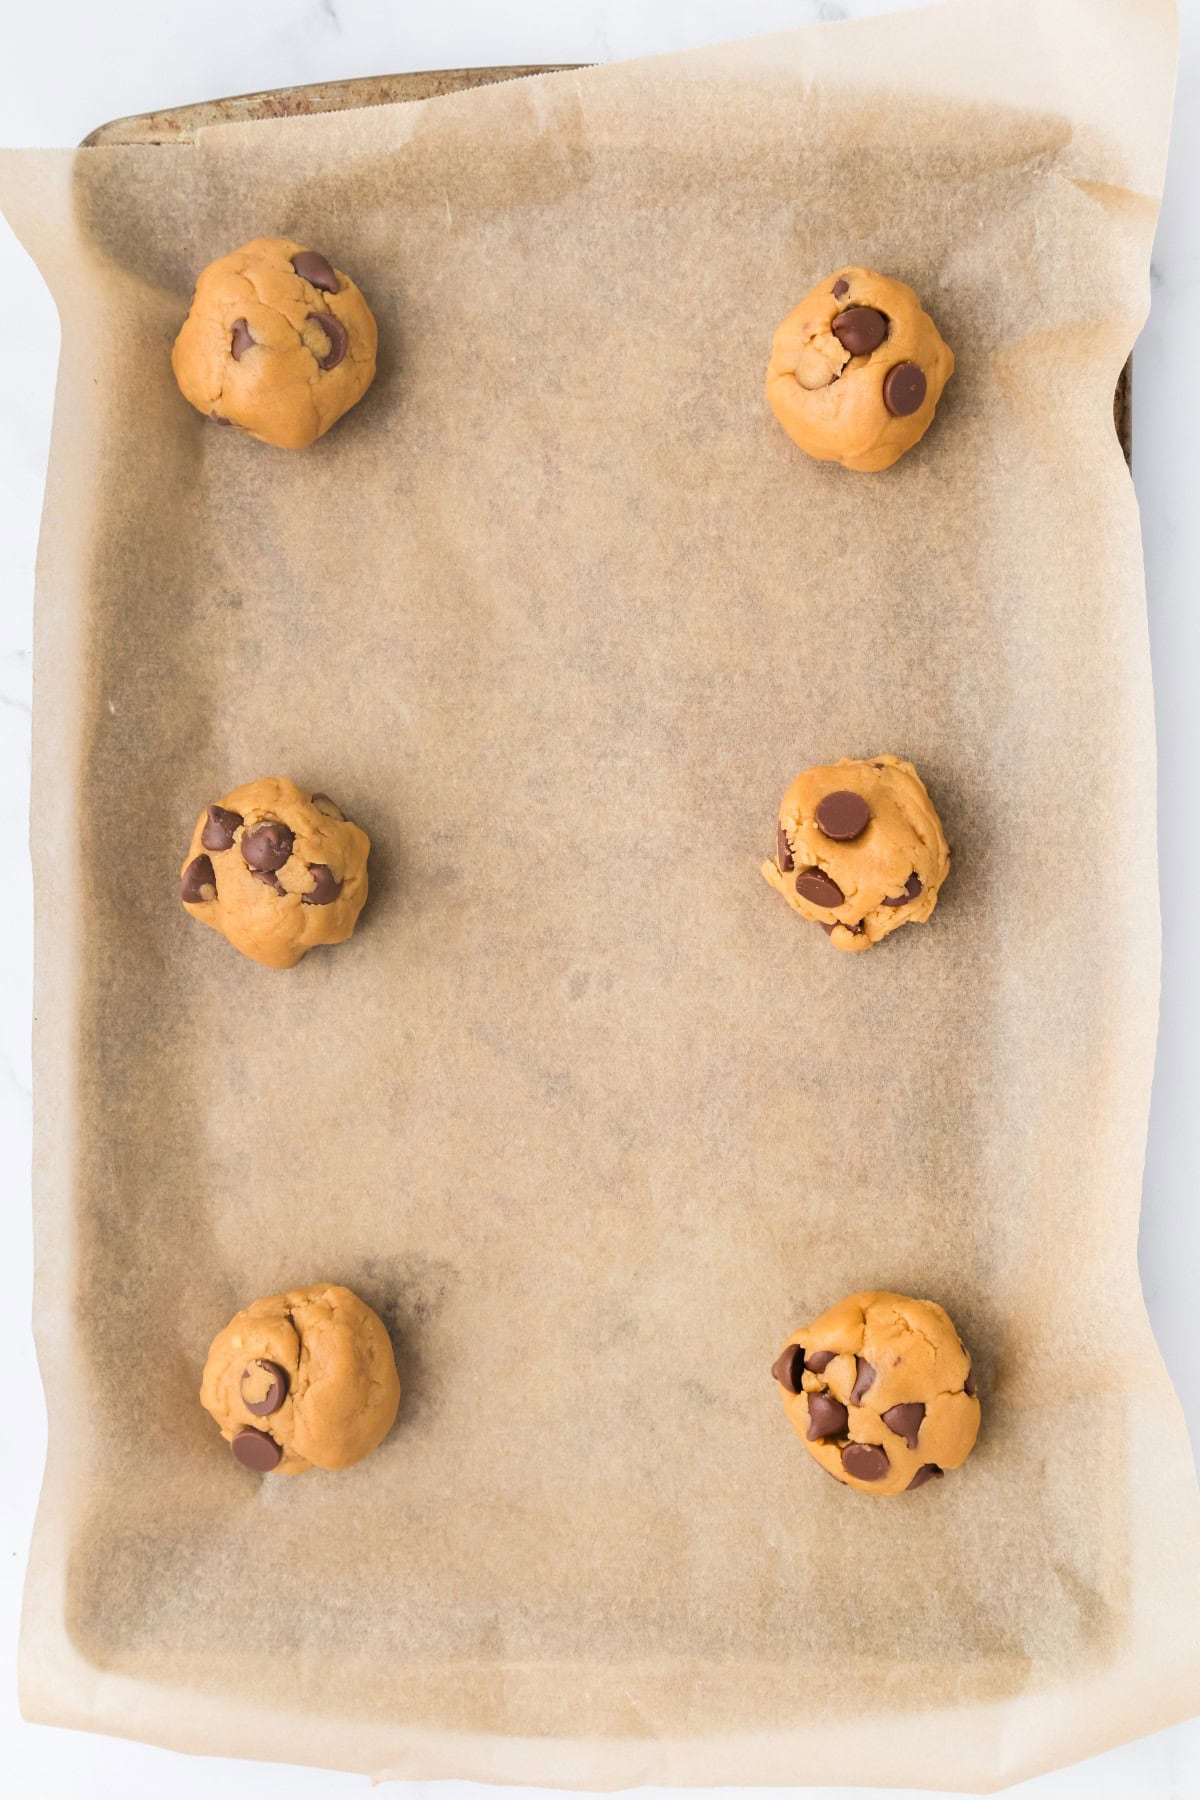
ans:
(586, 1112)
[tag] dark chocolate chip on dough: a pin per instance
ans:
(267, 845)
(783, 851)
(240, 340)
(198, 884)
(219, 827)
(841, 286)
(338, 337)
(905, 1420)
(843, 815)
(786, 1368)
(255, 1450)
(269, 1377)
(270, 879)
(326, 887)
(969, 1384)
(864, 1376)
(904, 389)
(821, 889)
(329, 808)
(866, 1462)
(817, 1361)
(312, 267)
(912, 888)
(827, 1417)
(860, 329)
(926, 1472)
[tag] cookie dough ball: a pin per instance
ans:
(859, 849)
(303, 1380)
(880, 1390)
(857, 370)
(277, 341)
(277, 870)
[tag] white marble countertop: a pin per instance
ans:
(71, 64)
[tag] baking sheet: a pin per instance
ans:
(182, 124)
(592, 1120)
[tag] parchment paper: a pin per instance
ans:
(589, 1115)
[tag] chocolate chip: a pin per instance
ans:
(912, 888)
(784, 1368)
(841, 286)
(255, 1450)
(821, 889)
(843, 815)
(969, 1384)
(867, 1462)
(325, 888)
(267, 845)
(276, 1389)
(783, 851)
(926, 1472)
(905, 1420)
(240, 339)
(819, 1360)
(904, 389)
(863, 1378)
(827, 1417)
(338, 337)
(219, 828)
(270, 879)
(198, 883)
(311, 266)
(854, 930)
(860, 329)
(329, 807)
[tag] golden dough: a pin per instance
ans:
(302, 1380)
(859, 883)
(846, 398)
(308, 881)
(890, 1402)
(283, 354)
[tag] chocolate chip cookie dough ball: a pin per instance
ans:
(880, 1391)
(277, 341)
(859, 849)
(857, 370)
(276, 870)
(303, 1380)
